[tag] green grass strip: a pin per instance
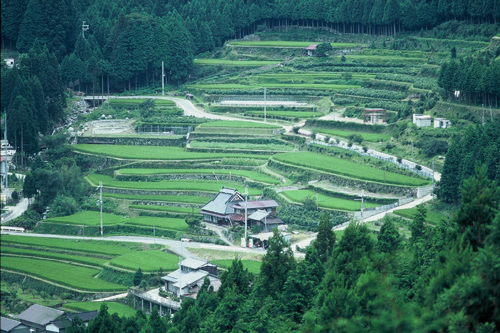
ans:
(170, 198)
(137, 101)
(78, 277)
(147, 261)
(320, 86)
(155, 153)
(54, 255)
(113, 307)
(344, 167)
(252, 265)
(325, 201)
(169, 185)
(252, 175)
(291, 114)
(90, 246)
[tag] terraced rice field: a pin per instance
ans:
(308, 77)
(252, 265)
(346, 168)
(291, 114)
(371, 137)
(325, 201)
(83, 259)
(243, 63)
(113, 307)
(91, 218)
(78, 277)
(271, 147)
(88, 246)
(252, 175)
(171, 198)
(293, 44)
(147, 261)
(431, 217)
(155, 153)
(170, 185)
(168, 209)
(320, 86)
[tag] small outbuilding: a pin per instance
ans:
(311, 49)
(422, 121)
(442, 123)
(38, 316)
(375, 116)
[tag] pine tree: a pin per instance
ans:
(325, 240)
(417, 225)
(389, 238)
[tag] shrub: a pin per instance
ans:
(313, 135)
(327, 138)
(355, 138)
(365, 149)
(295, 129)
(418, 167)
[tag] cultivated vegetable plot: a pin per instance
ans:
(155, 153)
(325, 201)
(346, 168)
(78, 277)
(147, 261)
(252, 175)
(170, 185)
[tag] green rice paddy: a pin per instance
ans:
(78, 277)
(5, 249)
(325, 201)
(344, 167)
(272, 147)
(252, 175)
(169, 209)
(155, 152)
(171, 198)
(168, 185)
(147, 261)
(319, 86)
(113, 307)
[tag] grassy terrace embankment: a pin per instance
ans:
(113, 307)
(168, 185)
(155, 153)
(325, 201)
(346, 168)
(243, 63)
(78, 277)
(252, 175)
(319, 86)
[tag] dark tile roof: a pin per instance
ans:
(84, 316)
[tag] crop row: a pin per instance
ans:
(238, 124)
(294, 44)
(168, 209)
(290, 86)
(246, 146)
(375, 93)
(343, 167)
(171, 198)
(418, 82)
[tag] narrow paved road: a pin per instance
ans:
(16, 210)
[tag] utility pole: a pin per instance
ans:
(163, 78)
(362, 205)
(483, 113)
(412, 156)
(85, 27)
(316, 199)
(100, 203)
(246, 198)
(265, 105)
(6, 160)
(432, 194)
(154, 235)
(491, 114)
